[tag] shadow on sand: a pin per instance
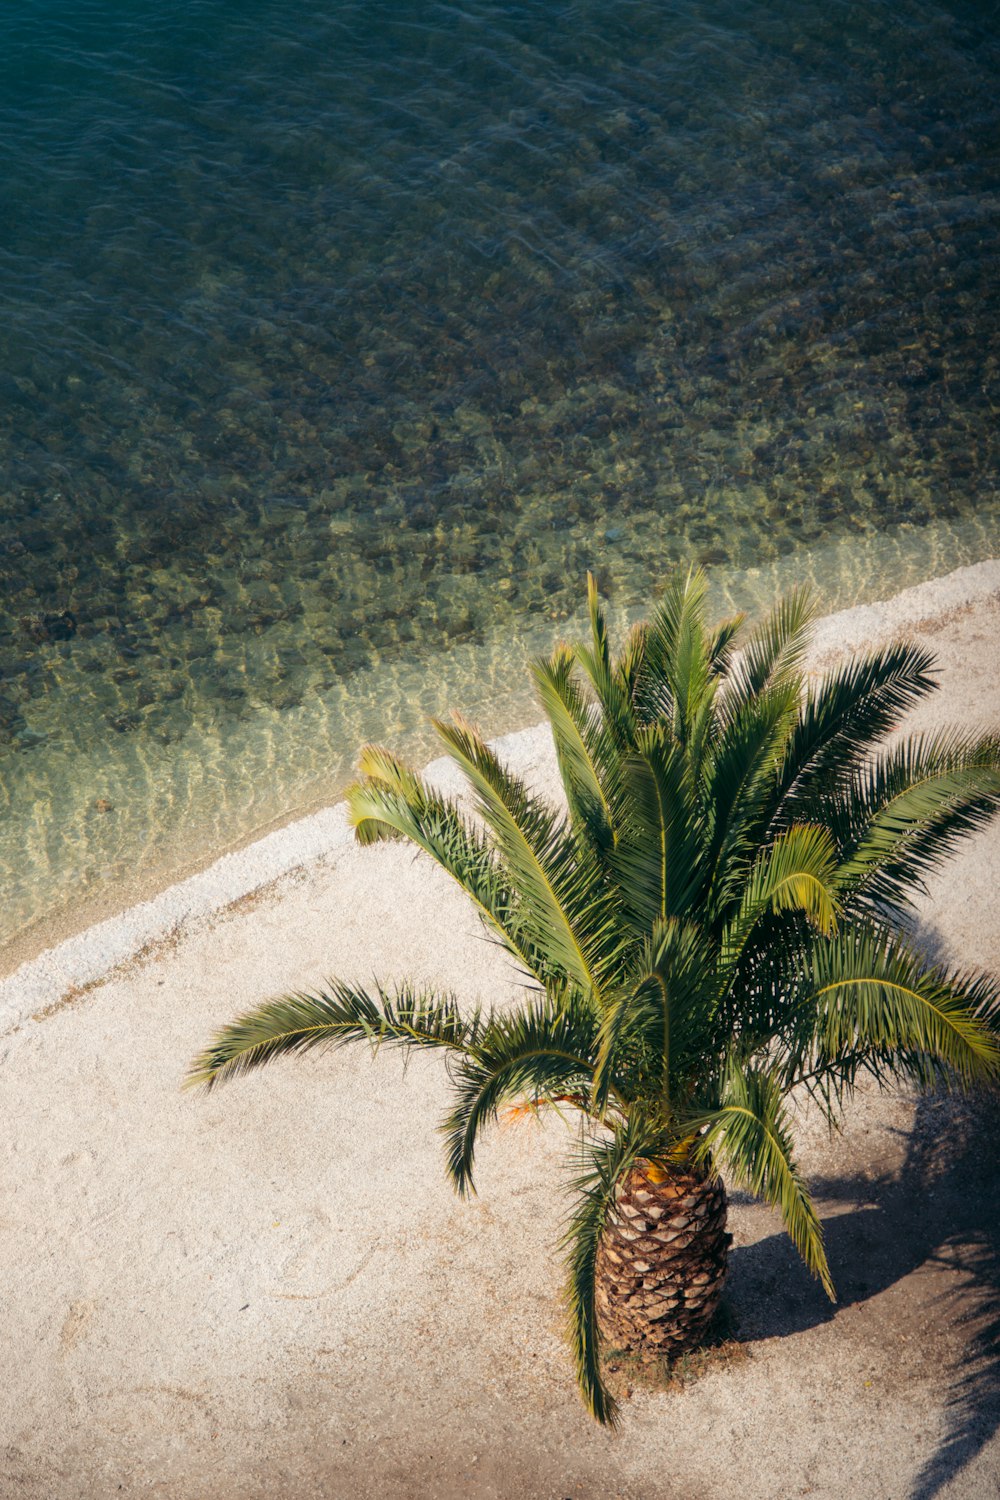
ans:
(942, 1209)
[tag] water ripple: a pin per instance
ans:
(339, 339)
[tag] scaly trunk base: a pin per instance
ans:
(662, 1262)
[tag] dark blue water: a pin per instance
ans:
(339, 340)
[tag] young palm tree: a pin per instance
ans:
(711, 923)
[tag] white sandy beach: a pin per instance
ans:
(272, 1291)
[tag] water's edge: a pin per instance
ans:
(91, 956)
(342, 340)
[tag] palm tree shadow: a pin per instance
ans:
(943, 1208)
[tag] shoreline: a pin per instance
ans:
(86, 958)
(97, 879)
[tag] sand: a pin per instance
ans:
(273, 1291)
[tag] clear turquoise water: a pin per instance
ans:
(339, 340)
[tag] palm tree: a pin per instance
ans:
(715, 920)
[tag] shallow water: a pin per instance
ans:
(340, 340)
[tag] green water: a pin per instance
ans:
(340, 340)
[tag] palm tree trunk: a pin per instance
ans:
(662, 1261)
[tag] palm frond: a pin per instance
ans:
(844, 715)
(612, 692)
(586, 758)
(628, 668)
(391, 802)
(774, 651)
(605, 1164)
(675, 643)
(869, 1000)
(543, 1050)
(687, 665)
(403, 1017)
(797, 872)
(658, 861)
(564, 904)
(655, 1033)
(739, 777)
(722, 643)
(903, 814)
(751, 1132)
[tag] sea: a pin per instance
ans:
(338, 341)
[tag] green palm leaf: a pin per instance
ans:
(586, 757)
(629, 666)
(795, 873)
(565, 906)
(843, 716)
(902, 815)
(390, 802)
(404, 1017)
(722, 643)
(605, 1163)
(659, 857)
(674, 643)
(739, 779)
(870, 1000)
(774, 651)
(751, 1132)
(682, 673)
(538, 1053)
(612, 690)
(654, 1034)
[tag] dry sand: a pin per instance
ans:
(273, 1292)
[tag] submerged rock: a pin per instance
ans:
(41, 628)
